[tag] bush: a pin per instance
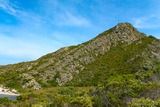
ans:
(144, 102)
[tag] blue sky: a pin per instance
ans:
(32, 28)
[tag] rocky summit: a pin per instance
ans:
(120, 67)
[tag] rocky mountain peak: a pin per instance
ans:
(125, 32)
(125, 25)
(121, 33)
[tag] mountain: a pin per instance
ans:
(120, 67)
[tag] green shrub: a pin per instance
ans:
(144, 102)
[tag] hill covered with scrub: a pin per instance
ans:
(118, 68)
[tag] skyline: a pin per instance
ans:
(30, 29)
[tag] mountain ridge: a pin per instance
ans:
(123, 32)
(121, 62)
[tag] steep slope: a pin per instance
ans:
(117, 68)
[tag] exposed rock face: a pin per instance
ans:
(63, 64)
(31, 82)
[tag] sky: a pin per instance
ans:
(32, 28)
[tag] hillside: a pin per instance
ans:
(120, 67)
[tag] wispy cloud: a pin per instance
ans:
(25, 17)
(64, 15)
(26, 40)
(147, 22)
(31, 39)
(20, 48)
(70, 19)
(6, 6)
